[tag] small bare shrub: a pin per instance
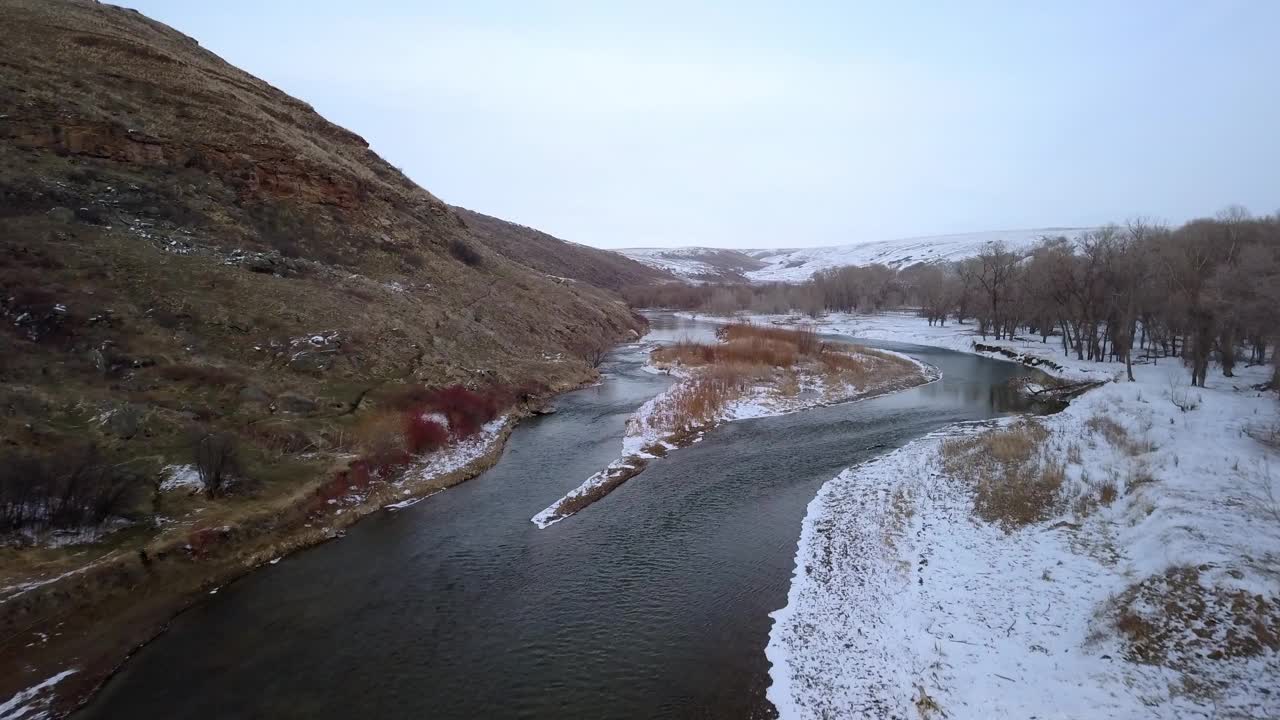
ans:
(1113, 431)
(217, 460)
(1107, 493)
(73, 488)
(463, 252)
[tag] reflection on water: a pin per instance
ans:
(652, 603)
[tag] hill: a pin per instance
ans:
(799, 264)
(698, 264)
(560, 258)
(195, 262)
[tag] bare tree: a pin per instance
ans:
(593, 352)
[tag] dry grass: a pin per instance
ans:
(1015, 481)
(380, 436)
(1178, 621)
(1118, 436)
(1113, 431)
(751, 355)
(804, 340)
(698, 402)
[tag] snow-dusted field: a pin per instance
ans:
(695, 264)
(799, 264)
(905, 604)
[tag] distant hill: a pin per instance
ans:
(799, 264)
(698, 264)
(560, 258)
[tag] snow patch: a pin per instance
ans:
(182, 477)
(32, 703)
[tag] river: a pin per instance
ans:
(651, 603)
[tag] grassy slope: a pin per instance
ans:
(551, 255)
(175, 231)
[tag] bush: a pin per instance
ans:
(217, 460)
(462, 251)
(72, 489)
(423, 434)
(466, 410)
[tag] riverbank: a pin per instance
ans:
(753, 372)
(68, 633)
(1117, 559)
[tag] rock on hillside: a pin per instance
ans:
(560, 258)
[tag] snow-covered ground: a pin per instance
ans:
(696, 264)
(796, 265)
(799, 264)
(905, 604)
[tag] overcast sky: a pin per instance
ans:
(772, 124)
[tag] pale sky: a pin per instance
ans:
(783, 124)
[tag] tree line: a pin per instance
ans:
(1209, 289)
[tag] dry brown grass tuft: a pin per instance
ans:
(1107, 493)
(380, 437)
(1015, 482)
(804, 340)
(1113, 431)
(1176, 620)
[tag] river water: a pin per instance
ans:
(651, 603)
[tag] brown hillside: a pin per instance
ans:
(188, 253)
(185, 212)
(560, 258)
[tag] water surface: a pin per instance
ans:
(653, 602)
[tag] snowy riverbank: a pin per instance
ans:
(1152, 591)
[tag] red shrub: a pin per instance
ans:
(465, 409)
(422, 434)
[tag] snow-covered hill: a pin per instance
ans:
(799, 264)
(698, 264)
